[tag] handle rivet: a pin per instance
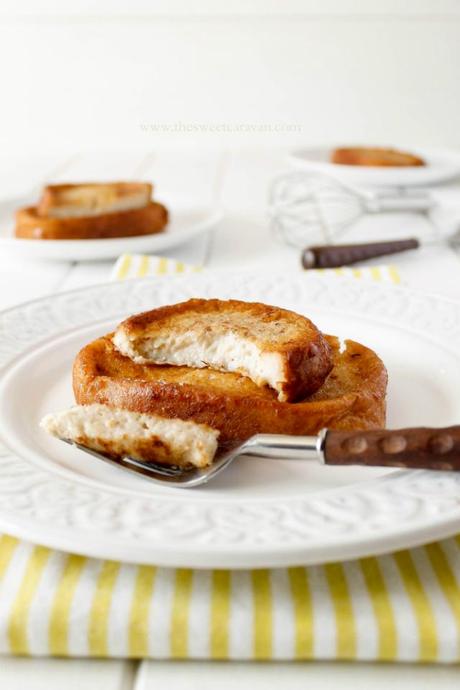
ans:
(440, 444)
(393, 444)
(357, 444)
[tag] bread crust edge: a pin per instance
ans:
(305, 364)
(239, 417)
(149, 220)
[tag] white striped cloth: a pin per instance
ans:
(400, 607)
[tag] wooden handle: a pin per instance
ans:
(335, 255)
(423, 448)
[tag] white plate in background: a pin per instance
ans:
(261, 512)
(441, 166)
(185, 224)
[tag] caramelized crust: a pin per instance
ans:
(352, 397)
(140, 221)
(93, 198)
(375, 157)
(271, 346)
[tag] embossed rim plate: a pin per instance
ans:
(274, 520)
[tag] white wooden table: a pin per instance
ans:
(238, 181)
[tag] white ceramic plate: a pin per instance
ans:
(261, 512)
(185, 223)
(441, 166)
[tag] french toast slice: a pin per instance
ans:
(273, 347)
(149, 220)
(351, 398)
(146, 437)
(375, 157)
(93, 198)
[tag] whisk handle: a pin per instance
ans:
(334, 256)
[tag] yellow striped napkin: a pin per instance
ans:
(403, 607)
(400, 607)
(140, 266)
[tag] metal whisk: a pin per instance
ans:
(306, 207)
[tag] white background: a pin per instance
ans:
(85, 75)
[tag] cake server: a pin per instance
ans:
(416, 448)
